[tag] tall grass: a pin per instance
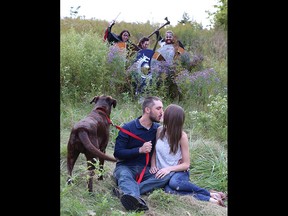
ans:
(208, 170)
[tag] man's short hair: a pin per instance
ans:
(149, 102)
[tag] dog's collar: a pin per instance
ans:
(101, 109)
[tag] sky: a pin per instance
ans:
(134, 11)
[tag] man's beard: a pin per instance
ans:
(153, 119)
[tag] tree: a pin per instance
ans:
(74, 12)
(220, 17)
(185, 18)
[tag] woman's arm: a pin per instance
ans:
(184, 145)
(153, 168)
(184, 165)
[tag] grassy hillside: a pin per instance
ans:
(208, 170)
(86, 70)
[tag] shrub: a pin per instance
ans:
(198, 85)
(212, 123)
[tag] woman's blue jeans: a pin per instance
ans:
(180, 184)
(126, 180)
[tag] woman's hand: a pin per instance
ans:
(153, 169)
(162, 172)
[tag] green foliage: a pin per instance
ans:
(190, 36)
(164, 201)
(209, 165)
(220, 17)
(117, 75)
(198, 85)
(185, 18)
(83, 65)
(213, 122)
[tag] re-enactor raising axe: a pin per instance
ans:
(110, 25)
(136, 48)
(157, 36)
(114, 20)
(167, 23)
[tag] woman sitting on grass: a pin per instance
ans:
(171, 154)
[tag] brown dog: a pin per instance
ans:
(90, 136)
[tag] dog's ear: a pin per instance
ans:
(95, 99)
(114, 102)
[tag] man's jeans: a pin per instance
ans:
(126, 180)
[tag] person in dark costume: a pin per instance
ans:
(122, 40)
(113, 38)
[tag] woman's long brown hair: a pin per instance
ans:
(173, 122)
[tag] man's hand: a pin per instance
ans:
(146, 148)
(157, 33)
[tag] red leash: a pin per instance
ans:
(138, 177)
